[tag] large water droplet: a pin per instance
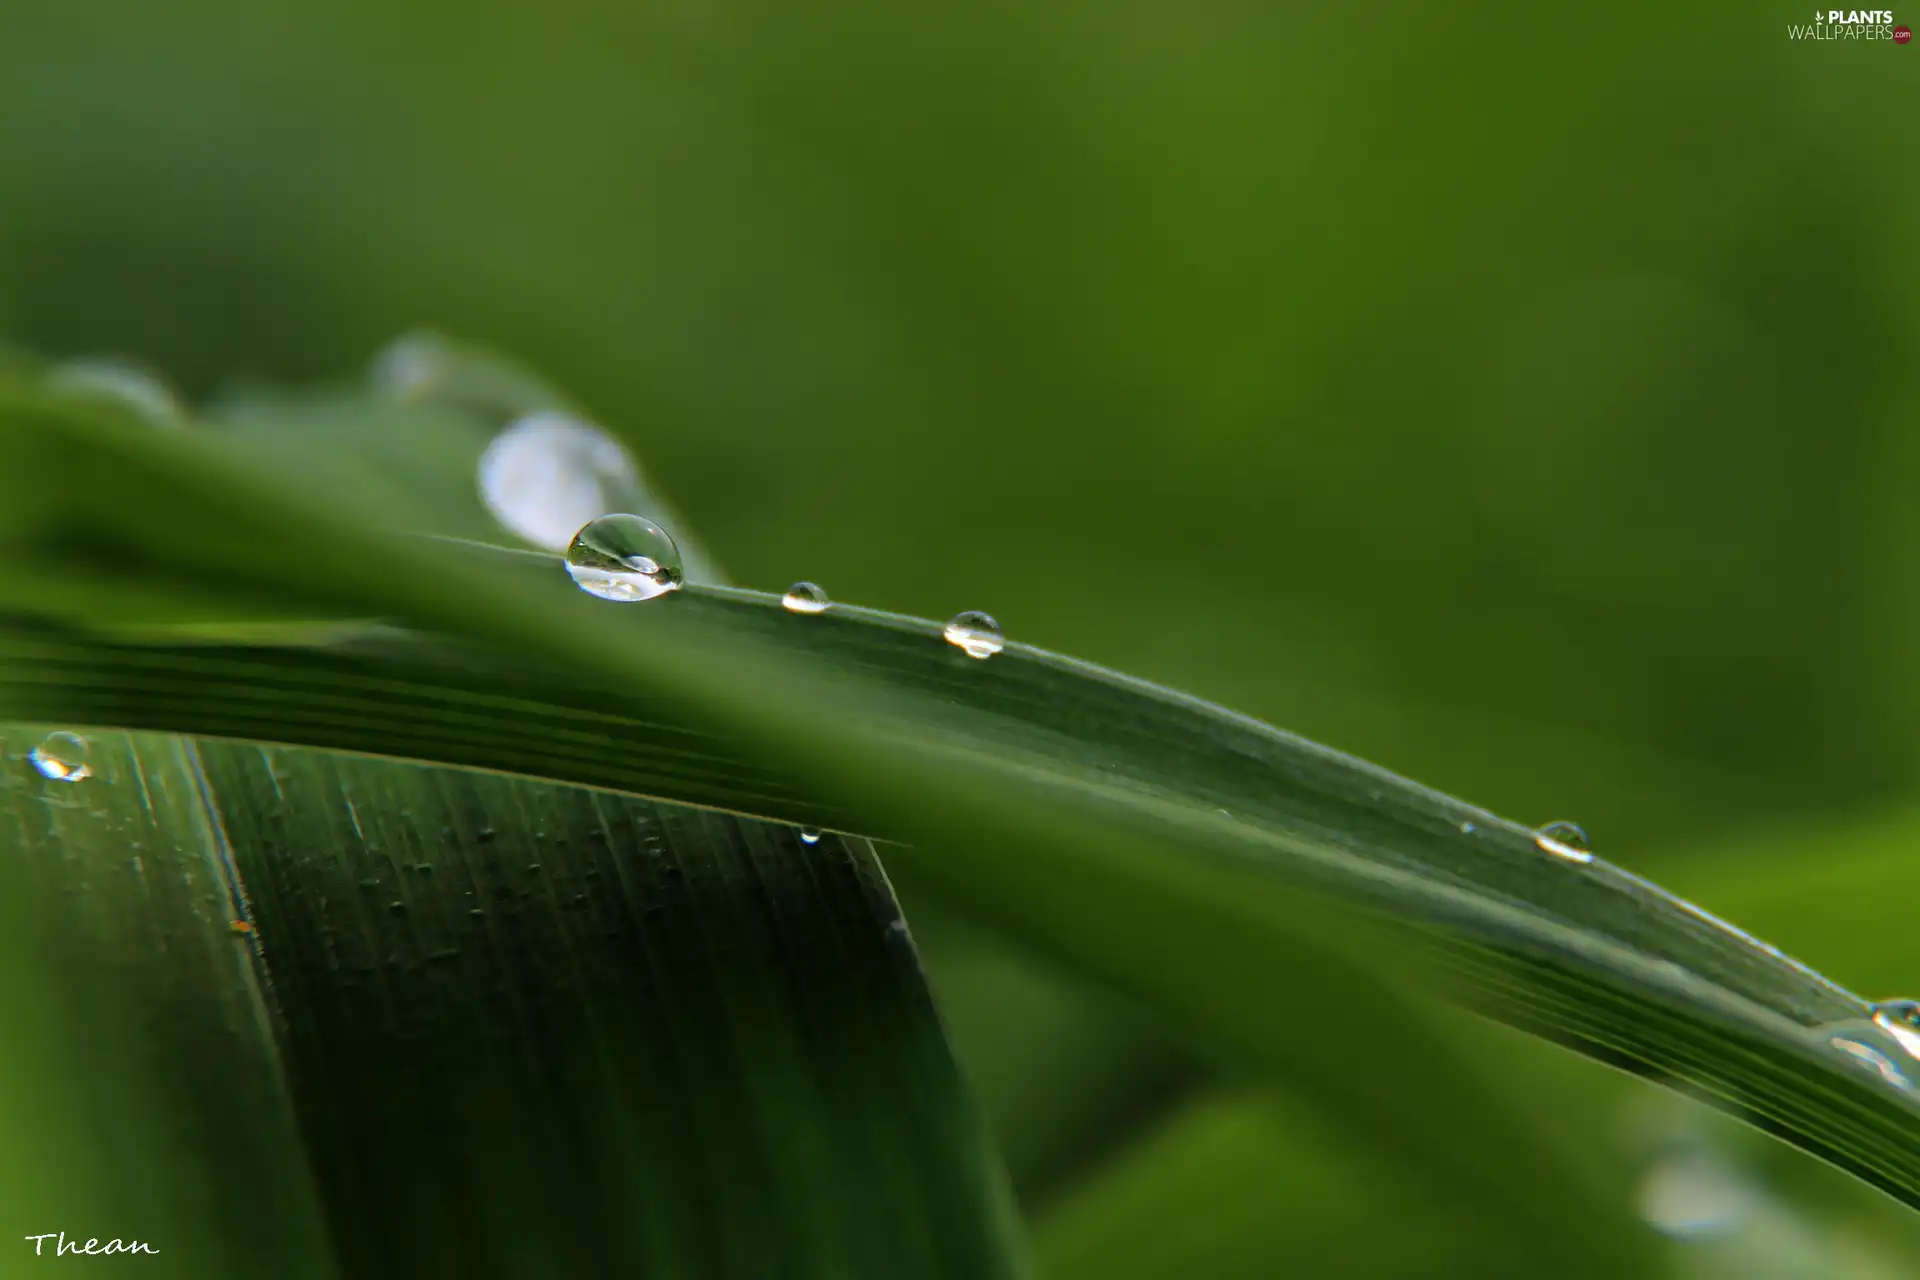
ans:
(549, 473)
(623, 557)
(809, 836)
(61, 756)
(805, 597)
(975, 634)
(1563, 840)
(124, 384)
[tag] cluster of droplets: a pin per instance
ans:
(61, 757)
(563, 484)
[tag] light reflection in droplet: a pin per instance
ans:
(1871, 1058)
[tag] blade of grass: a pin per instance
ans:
(1103, 847)
(542, 1031)
(142, 1097)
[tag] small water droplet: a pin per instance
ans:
(397, 908)
(624, 557)
(1693, 1193)
(411, 364)
(61, 756)
(1467, 828)
(809, 836)
(124, 384)
(549, 473)
(1901, 1020)
(975, 634)
(1563, 840)
(805, 597)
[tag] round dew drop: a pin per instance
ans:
(975, 634)
(1563, 840)
(1900, 1019)
(809, 836)
(409, 366)
(1905, 1012)
(625, 558)
(805, 597)
(61, 756)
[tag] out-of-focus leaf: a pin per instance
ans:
(1237, 1188)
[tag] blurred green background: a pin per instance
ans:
(1518, 396)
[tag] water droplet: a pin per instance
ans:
(809, 836)
(549, 473)
(1692, 1193)
(61, 756)
(624, 557)
(1563, 840)
(1467, 828)
(805, 597)
(1901, 1020)
(1872, 1059)
(975, 634)
(124, 384)
(411, 365)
